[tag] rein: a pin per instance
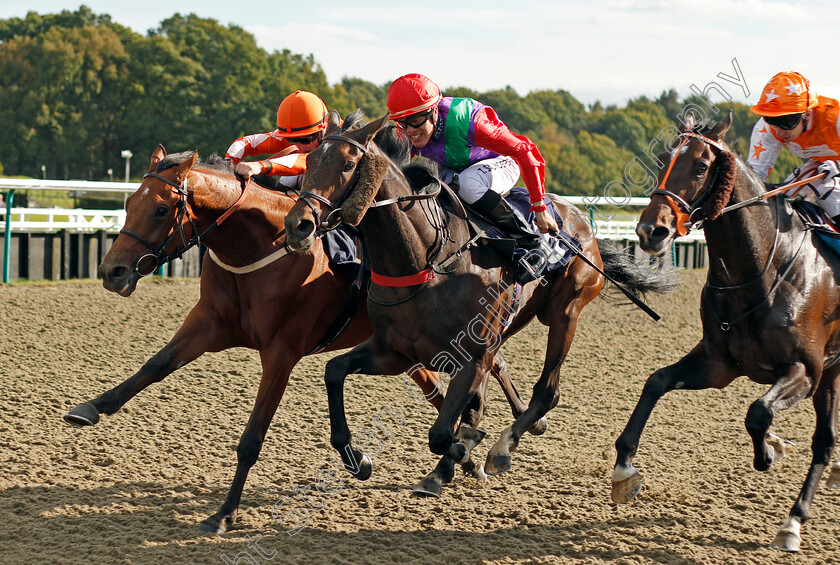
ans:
(177, 228)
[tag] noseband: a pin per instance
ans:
(683, 210)
(158, 253)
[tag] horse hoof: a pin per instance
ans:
(83, 415)
(215, 525)
(497, 464)
(430, 486)
(626, 484)
(834, 477)
(539, 427)
(788, 538)
(365, 469)
(477, 472)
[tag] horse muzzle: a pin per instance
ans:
(654, 239)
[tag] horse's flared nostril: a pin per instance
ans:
(659, 233)
(304, 229)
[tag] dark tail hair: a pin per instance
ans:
(655, 275)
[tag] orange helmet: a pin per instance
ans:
(411, 94)
(301, 113)
(786, 93)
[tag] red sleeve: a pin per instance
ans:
(493, 134)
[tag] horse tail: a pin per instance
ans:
(653, 275)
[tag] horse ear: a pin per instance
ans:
(182, 169)
(334, 121)
(721, 127)
(157, 156)
(689, 122)
(373, 127)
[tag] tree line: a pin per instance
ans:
(78, 88)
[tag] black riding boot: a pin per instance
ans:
(493, 207)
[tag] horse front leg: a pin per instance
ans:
(277, 364)
(825, 437)
(368, 358)
(467, 436)
(198, 334)
(695, 371)
(791, 386)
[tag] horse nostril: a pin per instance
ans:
(116, 273)
(659, 233)
(304, 229)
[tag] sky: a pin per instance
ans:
(606, 50)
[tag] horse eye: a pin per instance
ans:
(701, 168)
(348, 166)
(161, 211)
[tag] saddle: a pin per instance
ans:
(818, 221)
(484, 231)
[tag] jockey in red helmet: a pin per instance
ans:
(479, 155)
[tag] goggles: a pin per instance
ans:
(414, 120)
(784, 122)
(305, 140)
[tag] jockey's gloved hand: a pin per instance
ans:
(830, 168)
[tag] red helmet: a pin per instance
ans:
(300, 114)
(411, 94)
(786, 93)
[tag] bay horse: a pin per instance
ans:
(769, 308)
(254, 294)
(436, 299)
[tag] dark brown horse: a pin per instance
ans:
(769, 308)
(449, 317)
(253, 293)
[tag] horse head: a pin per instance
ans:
(694, 184)
(156, 215)
(342, 178)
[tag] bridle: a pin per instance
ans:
(333, 220)
(176, 230)
(687, 210)
(683, 210)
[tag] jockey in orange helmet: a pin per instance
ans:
(301, 121)
(794, 116)
(475, 147)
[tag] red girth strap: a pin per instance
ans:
(410, 280)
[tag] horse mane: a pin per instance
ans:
(214, 162)
(721, 192)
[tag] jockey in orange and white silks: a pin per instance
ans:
(793, 116)
(301, 121)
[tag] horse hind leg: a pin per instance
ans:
(825, 401)
(517, 405)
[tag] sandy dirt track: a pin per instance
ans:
(133, 488)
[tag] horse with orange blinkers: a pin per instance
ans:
(770, 308)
